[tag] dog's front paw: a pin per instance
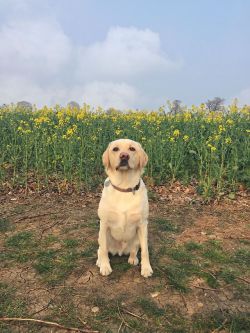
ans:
(105, 269)
(146, 270)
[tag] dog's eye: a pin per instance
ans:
(115, 149)
(131, 148)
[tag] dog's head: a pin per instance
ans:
(124, 154)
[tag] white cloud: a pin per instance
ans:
(109, 94)
(244, 96)
(19, 88)
(40, 64)
(126, 52)
(33, 48)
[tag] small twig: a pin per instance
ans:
(203, 288)
(120, 327)
(34, 216)
(240, 278)
(184, 301)
(49, 323)
(208, 272)
(221, 326)
(160, 270)
(88, 277)
(217, 303)
(240, 238)
(211, 289)
(51, 226)
(122, 318)
(83, 322)
(131, 313)
(45, 307)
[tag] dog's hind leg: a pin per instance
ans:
(134, 247)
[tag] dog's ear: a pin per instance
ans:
(105, 158)
(143, 158)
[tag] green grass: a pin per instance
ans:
(108, 312)
(234, 322)
(4, 225)
(150, 308)
(45, 261)
(192, 246)
(56, 265)
(92, 223)
(50, 239)
(71, 243)
(21, 240)
(64, 311)
(228, 274)
(58, 259)
(242, 257)
(90, 249)
(10, 304)
(167, 319)
(20, 247)
(177, 276)
(208, 261)
(165, 225)
(215, 255)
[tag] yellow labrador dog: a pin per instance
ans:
(123, 209)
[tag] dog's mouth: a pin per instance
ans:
(123, 165)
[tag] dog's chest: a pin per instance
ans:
(123, 225)
(122, 215)
(123, 212)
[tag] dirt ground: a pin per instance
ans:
(199, 254)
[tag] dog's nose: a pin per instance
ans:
(124, 156)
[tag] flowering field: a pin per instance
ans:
(49, 147)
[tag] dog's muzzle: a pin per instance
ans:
(124, 157)
(123, 163)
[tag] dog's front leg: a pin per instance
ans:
(102, 253)
(146, 269)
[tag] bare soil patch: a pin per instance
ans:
(199, 254)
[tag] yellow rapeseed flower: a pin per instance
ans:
(187, 116)
(186, 138)
(221, 129)
(176, 132)
(217, 137)
(24, 128)
(41, 120)
(233, 108)
(228, 141)
(229, 122)
(118, 132)
(81, 115)
(213, 148)
(70, 131)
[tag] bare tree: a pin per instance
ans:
(24, 105)
(175, 106)
(73, 105)
(112, 111)
(215, 104)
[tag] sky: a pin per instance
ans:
(131, 54)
